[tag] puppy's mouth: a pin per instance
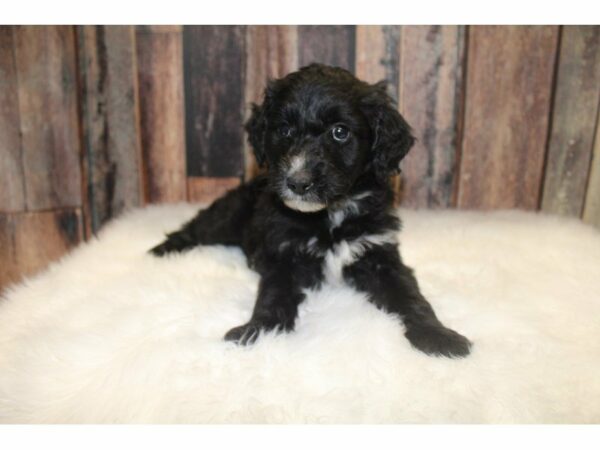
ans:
(303, 205)
(296, 186)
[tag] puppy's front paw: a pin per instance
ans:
(248, 333)
(438, 340)
(244, 334)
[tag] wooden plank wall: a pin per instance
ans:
(95, 120)
(112, 161)
(40, 148)
(214, 86)
(507, 108)
(573, 121)
(162, 112)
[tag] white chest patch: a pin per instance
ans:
(349, 208)
(345, 253)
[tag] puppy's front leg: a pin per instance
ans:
(279, 295)
(391, 285)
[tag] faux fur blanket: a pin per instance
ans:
(111, 334)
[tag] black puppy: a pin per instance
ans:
(324, 211)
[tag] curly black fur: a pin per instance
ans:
(324, 210)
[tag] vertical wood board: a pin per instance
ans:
(110, 109)
(45, 61)
(12, 193)
(509, 83)
(214, 81)
(573, 121)
(162, 115)
(431, 84)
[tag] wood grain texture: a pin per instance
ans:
(157, 29)
(378, 55)
(591, 209)
(327, 44)
(378, 59)
(207, 189)
(214, 80)
(45, 61)
(12, 193)
(573, 121)
(110, 121)
(29, 241)
(431, 81)
(162, 125)
(271, 52)
(509, 84)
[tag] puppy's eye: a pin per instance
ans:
(340, 133)
(286, 131)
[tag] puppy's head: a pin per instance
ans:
(319, 129)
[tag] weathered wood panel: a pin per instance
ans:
(509, 84)
(162, 123)
(47, 78)
(431, 81)
(330, 44)
(378, 59)
(378, 55)
(591, 210)
(271, 52)
(214, 80)
(126, 159)
(30, 240)
(110, 122)
(12, 193)
(207, 189)
(573, 121)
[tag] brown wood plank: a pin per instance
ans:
(377, 59)
(45, 60)
(162, 117)
(207, 189)
(159, 28)
(12, 193)
(110, 122)
(509, 82)
(29, 241)
(271, 52)
(327, 44)
(378, 55)
(214, 81)
(591, 210)
(431, 80)
(573, 121)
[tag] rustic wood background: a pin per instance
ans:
(98, 119)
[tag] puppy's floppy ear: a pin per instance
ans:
(391, 135)
(256, 126)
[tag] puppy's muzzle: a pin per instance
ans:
(300, 182)
(299, 192)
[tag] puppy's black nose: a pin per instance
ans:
(299, 184)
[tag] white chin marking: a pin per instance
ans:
(303, 206)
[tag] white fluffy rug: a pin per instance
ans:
(111, 334)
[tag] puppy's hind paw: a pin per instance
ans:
(438, 341)
(170, 245)
(160, 249)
